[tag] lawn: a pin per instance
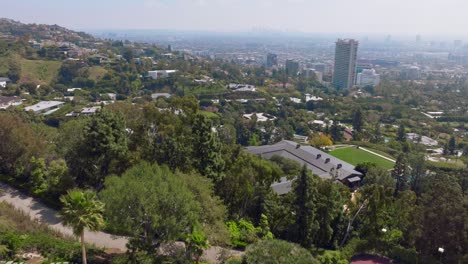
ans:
(39, 71)
(96, 73)
(355, 156)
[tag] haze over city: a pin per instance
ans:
(427, 17)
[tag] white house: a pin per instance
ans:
(44, 106)
(90, 110)
(309, 97)
(261, 117)
(242, 87)
(157, 95)
(7, 101)
(4, 81)
(160, 73)
(295, 100)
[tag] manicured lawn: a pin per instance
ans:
(355, 156)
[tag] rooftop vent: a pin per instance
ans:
(298, 146)
(319, 156)
(339, 166)
(327, 160)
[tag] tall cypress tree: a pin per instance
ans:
(305, 199)
(401, 135)
(207, 149)
(400, 173)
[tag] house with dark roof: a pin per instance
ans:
(319, 162)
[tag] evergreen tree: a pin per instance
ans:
(452, 145)
(336, 132)
(305, 200)
(101, 150)
(443, 217)
(358, 121)
(400, 173)
(401, 134)
(377, 137)
(207, 149)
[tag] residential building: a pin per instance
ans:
(309, 72)
(90, 110)
(160, 73)
(317, 161)
(157, 95)
(309, 97)
(368, 77)
(7, 101)
(45, 107)
(242, 87)
(292, 67)
(4, 81)
(427, 141)
(261, 117)
(272, 60)
(410, 73)
(320, 67)
(344, 73)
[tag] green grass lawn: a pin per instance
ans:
(39, 71)
(355, 156)
(96, 73)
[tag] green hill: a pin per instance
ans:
(39, 71)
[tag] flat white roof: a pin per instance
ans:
(90, 110)
(43, 105)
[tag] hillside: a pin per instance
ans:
(39, 71)
(12, 29)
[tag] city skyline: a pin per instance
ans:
(429, 17)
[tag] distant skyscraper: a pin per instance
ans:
(344, 74)
(292, 67)
(272, 60)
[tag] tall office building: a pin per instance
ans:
(344, 74)
(272, 60)
(292, 67)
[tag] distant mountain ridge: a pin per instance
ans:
(10, 28)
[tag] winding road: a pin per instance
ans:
(41, 212)
(38, 210)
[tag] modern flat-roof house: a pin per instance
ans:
(7, 101)
(45, 107)
(319, 162)
(90, 110)
(160, 73)
(157, 95)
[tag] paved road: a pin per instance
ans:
(38, 210)
(377, 154)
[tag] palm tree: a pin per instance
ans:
(81, 210)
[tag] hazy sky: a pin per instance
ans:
(435, 17)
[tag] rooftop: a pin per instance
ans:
(319, 162)
(43, 105)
